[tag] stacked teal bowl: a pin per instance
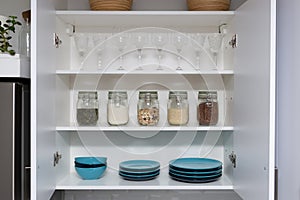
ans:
(90, 168)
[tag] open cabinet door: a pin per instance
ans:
(42, 99)
(254, 100)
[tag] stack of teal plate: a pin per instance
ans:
(139, 170)
(195, 170)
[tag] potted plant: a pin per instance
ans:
(11, 64)
(6, 28)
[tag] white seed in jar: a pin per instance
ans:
(178, 116)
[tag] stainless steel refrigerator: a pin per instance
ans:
(14, 139)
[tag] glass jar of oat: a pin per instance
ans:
(178, 108)
(87, 108)
(117, 108)
(208, 109)
(148, 108)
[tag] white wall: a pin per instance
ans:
(288, 119)
(8, 7)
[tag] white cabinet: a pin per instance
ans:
(245, 85)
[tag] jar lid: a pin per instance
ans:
(150, 94)
(206, 93)
(114, 94)
(181, 94)
(89, 94)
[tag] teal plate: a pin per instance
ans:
(195, 173)
(191, 180)
(195, 176)
(195, 164)
(138, 173)
(138, 176)
(139, 165)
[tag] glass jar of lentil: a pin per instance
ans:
(178, 108)
(87, 108)
(208, 109)
(148, 108)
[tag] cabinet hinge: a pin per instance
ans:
(56, 158)
(232, 158)
(234, 41)
(57, 41)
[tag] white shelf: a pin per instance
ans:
(145, 128)
(166, 72)
(112, 181)
(145, 18)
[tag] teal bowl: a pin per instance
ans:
(90, 173)
(91, 160)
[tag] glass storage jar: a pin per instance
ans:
(24, 38)
(148, 108)
(178, 108)
(87, 108)
(208, 111)
(117, 108)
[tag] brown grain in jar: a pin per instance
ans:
(208, 108)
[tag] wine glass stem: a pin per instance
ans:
(159, 59)
(179, 60)
(216, 58)
(81, 54)
(140, 59)
(99, 60)
(121, 63)
(198, 60)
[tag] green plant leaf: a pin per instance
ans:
(11, 28)
(5, 35)
(12, 52)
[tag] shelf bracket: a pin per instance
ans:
(56, 158)
(232, 158)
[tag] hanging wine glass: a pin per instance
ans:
(159, 40)
(100, 46)
(81, 43)
(179, 41)
(121, 42)
(139, 40)
(198, 41)
(215, 42)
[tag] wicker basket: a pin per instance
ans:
(111, 4)
(208, 5)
